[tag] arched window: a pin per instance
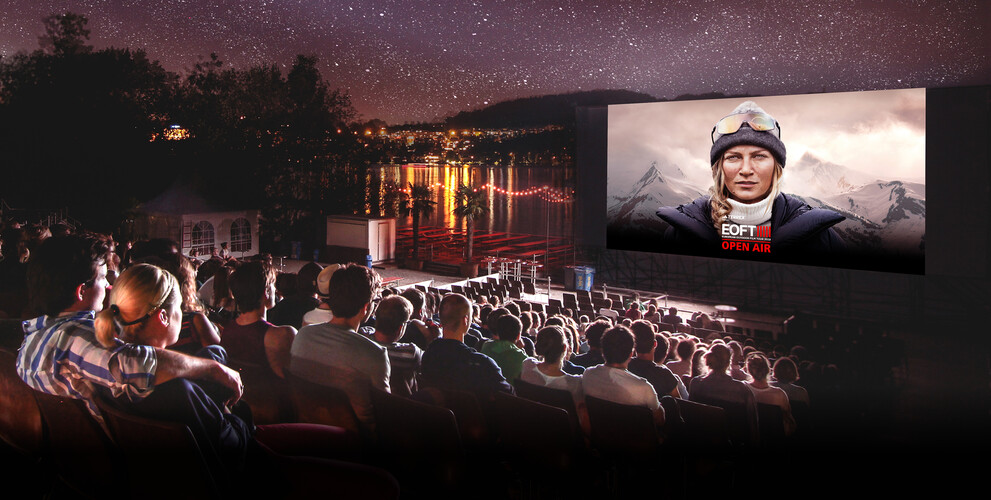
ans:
(241, 235)
(202, 238)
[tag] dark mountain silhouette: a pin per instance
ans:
(539, 111)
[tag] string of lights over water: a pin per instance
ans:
(520, 199)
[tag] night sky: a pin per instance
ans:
(411, 60)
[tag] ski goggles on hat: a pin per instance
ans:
(760, 122)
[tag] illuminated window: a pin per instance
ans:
(241, 235)
(202, 238)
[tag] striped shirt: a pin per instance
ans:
(60, 355)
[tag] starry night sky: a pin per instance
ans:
(411, 60)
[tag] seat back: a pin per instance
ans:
(156, 445)
(314, 403)
(265, 393)
(558, 398)
(738, 422)
(20, 418)
(418, 442)
(473, 424)
(537, 437)
(772, 427)
(622, 431)
(705, 425)
(81, 452)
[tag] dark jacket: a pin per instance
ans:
(450, 364)
(797, 230)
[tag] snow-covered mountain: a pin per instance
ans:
(637, 210)
(881, 216)
(815, 177)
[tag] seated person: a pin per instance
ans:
(334, 354)
(505, 347)
(321, 313)
(659, 376)
(759, 369)
(685, 350)
(249, 337)
(718, 388)
(593, 335)
(290, 310)
(672, 317)
(613, 382)
(243, 458)
(785, 376)
(450, 364)
(391, 318)
(547, 371)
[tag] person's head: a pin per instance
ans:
(144, 308)
(508, 328)
(69, 273)
(758, 366)
(492, 321)
(416, 298)
(594, 332)
(747, 158)
(455, 314)
(352, 289)
(617, 345)
(285, 284)
(513, 308)
(391, 316)
(661, 351)
(253, 286)
(221, 285)
(737, 350)
(526, 318)
(672, 311)
(718, 358)
(306, 279)
(551, 344)
(685, 349)
(643, 331)
(785, 370)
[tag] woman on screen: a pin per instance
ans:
(745, 211)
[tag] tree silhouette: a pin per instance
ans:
(470, 204)
(65, 34)
(418, 202)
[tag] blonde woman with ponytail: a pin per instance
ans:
(748, 161)
(144, 309)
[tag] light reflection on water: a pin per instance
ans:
(526, 214)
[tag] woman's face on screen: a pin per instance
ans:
(748, 172)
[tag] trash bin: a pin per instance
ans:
(368, 261)
(581, 276)
(585, 282)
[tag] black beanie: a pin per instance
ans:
(747, 135)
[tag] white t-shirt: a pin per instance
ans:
(619, 386)
(567, 382)
(317, 315)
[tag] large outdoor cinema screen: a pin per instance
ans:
(833, 179)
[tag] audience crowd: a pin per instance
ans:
(171, 317)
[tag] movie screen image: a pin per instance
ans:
(835, 179)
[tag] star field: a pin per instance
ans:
(413, 60)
